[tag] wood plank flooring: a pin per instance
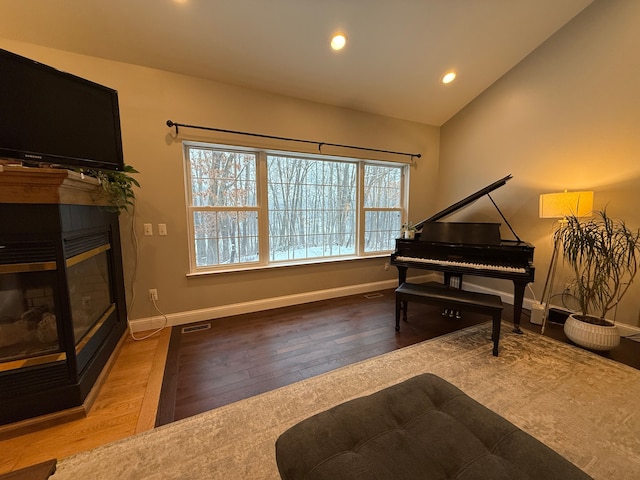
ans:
(241, 356)
(245, 355)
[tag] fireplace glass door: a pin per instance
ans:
(28, 314)
(30, 332)
(90, 299)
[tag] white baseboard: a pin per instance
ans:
(192, 316)
(507, 297)
(628, 330)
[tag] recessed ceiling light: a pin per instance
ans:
(338, 41)
(449, 77)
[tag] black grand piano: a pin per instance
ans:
(458, 248)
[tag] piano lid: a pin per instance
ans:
(465, 201)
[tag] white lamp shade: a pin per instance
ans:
(559, 205)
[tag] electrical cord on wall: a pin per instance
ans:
(166, 322)
(535, 300)
(134, 241)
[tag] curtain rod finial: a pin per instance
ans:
(172, 124)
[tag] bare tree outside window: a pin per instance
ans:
(312, 205)
(383, 207)
(224, 202)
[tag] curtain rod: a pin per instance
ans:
(320, 144)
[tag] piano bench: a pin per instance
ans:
(441, 295)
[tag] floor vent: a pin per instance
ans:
(196, 328)
(373, 295)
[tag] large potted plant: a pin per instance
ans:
(603, 254)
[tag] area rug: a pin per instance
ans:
(582, 405)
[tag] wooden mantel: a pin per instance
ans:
(20, 184)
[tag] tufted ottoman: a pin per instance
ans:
(422, 428)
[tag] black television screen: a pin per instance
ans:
(52, 117)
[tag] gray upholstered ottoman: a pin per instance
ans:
(422, 428)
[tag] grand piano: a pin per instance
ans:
(459, 248)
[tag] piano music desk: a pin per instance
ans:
(437, 294)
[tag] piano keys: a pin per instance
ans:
(458, 248)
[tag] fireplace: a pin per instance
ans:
(62, 307)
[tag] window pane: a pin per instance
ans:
(382, 229)
(225, 237)
(382, 186)
(222, 178)
(312, 205)
(382, 204)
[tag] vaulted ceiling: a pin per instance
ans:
(395, 57)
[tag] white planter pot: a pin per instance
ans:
(409, 234)
(592, 337)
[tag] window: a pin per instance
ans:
(312, 208)
(382, 206)
(224, 207)
(249, 208)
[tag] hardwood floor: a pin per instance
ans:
(237, 357)
(245, 355)
(125, 405)
(241, 356)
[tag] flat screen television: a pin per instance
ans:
(53, 117)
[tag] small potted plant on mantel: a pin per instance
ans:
(603, 254)
(116, 186)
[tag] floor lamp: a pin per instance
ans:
(559, 206)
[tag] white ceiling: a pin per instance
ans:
(397, 51)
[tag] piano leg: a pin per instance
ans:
(518, 297)
(402, 274)
(401, 307)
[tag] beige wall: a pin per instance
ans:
(148, 98)
(567, 117)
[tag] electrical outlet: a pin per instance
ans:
(153, 294)
(386, 266)
(148, 229)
